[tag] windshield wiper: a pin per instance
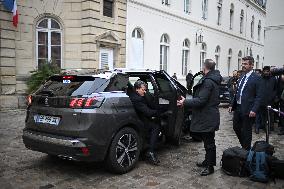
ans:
(47, 92)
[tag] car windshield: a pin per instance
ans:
(80, 85)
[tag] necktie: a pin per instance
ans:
(240, 88)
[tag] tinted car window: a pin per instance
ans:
(81, 85)
(163, 84)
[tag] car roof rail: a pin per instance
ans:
(133, 70)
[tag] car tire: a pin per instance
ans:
(124, 151)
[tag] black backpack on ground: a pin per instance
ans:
(277, 168)
(258, 161)
(234, 161)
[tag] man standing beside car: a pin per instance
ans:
(205, 112)
(148, 116)
(246, 103)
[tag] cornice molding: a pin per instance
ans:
(199, 24)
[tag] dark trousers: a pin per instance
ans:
(281, 118)
(242, 125)
(208, 139)
(262, 118)
(153, 130)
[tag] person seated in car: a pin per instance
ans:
(148, 116)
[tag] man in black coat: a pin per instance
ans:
(268, 85)
(246, 103)
(205, 112)
(232, 84)
(280, 99)
(148, 116)
(188, 79)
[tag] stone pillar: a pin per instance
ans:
(7, 61)
(90, 19)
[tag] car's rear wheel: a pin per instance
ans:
(124, 151)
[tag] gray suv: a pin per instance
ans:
(89, 117)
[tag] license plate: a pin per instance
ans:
(47, 119)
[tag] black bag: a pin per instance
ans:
(234, 161)
(263, 146)
(277, 168)
(258, 161)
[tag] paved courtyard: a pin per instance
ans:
(23, 168)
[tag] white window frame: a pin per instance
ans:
(187, 6)
(252, 27)
(231, 18)
(166, 2)
(229, 63)
(219, 13)
(259, 30)
(185, 56)
(204, 9)
(136, 31)
(49, 30)
(257, 62)
(217, 55)
(164, 52)
(110, 53)
(240, 54)
(242, 21)
(203, 54)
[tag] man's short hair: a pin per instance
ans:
(209, 64)
(138, 84)
(249, 58)
(267, 68)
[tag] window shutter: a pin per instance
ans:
(104, 60)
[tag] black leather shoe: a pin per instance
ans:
(201, 164)
(207, 171)
(152, 159)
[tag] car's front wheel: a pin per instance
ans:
(124, 151)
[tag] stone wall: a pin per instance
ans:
(84, 31)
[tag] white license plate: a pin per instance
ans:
(47, 119)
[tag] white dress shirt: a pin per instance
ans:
(247, 77)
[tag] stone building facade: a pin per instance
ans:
(76, 34)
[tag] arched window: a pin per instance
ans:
(257, 62)
(217, 56)
(240, 54)
(219, 12)
(231, 16)
(242, 21)
(258, 30)
(250, 52)
(49, 42)
(204, 9)
(187, 6)
(136, 50)
(164, 52)
(185, 56)
(230, 52)
(137, 33)
(252, 27)
(203, 51)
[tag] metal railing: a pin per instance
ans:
(269, 109)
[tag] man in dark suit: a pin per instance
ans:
(148, 116)
(246, 103)
(205, 113)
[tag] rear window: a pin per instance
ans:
(80, 85)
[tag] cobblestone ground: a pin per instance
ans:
(22, 168)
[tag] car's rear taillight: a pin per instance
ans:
(92, 102)
(29, 99)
